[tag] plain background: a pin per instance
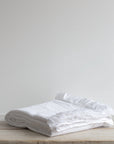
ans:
(51, 46)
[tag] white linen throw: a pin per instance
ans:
(64, 114)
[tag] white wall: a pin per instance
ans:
(47, 46)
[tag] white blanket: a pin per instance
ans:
(62, 115)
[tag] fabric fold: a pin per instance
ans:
(62, 115)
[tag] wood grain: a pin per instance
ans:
(13, 135)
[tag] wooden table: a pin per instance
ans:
(12, 135)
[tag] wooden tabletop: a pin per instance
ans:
(13, 135)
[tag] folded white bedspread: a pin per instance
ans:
(62, 115)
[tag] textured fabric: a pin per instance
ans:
(62, 115)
